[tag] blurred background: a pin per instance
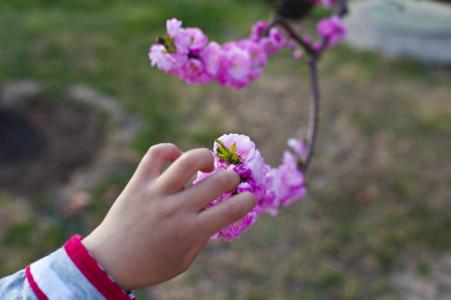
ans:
(80, 105)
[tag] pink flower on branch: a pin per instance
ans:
(165, 61)
(288, 181)
(299, 147)
(193, 72)
(197, 40)
(332, 29)
(273, 188)
(188, 54)
(258, 30)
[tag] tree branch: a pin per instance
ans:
(314, 57)
(343, 9)
(293, 34)
(314, 114)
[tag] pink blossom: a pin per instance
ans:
(274, 42)
(235, 230)
(297, 54)
(279, 37)
(245, 148)
(332, 29)
(258, 58)
(203, 175)
(214, 59)
(317, 46)
(238, 66)
(198, 40)
(171, 53)
(193, 72)
(299, 147)
(165, 61)
(272, 188)
(247, 186)
(269, 45)
(258, 30)
(292, 45)
(308, 40)
(235, 64)
(179, 37)
(186, 53)
(174, 27)
(266, 201)
(288, 181)
(242, 171)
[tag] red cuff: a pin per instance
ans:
(93, 272)
(34, 286)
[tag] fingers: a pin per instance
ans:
(183, 169)
(226, 213)
(154, 160)
(209, 189)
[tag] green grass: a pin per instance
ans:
(345, 240)
(104, 44)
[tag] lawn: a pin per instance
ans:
(377, 222)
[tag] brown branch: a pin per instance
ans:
(341, 12)
(343, 9)
(293, 34)
(314, 57)
(314, 114)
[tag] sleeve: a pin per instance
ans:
(70, 273)
(16, 287)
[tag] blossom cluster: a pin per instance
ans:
(272, 187)
(188, 54)
(332, 29)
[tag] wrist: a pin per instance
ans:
(93, 270)
(108, 259)
(120, 254)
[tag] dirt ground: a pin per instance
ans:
(378, 213)
(54, 140)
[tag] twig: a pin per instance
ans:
(343, 9)
(314, 114)
(314, 57)
(293, 34)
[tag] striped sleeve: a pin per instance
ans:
(69, 273)
(16, 287)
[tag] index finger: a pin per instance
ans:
(153, 161)
(183, 169)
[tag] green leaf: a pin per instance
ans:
(169, 44)
(226, 154)
(223, 156)
(235, 159)
(233, 149)
(221, 144)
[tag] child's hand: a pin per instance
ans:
(156, 227)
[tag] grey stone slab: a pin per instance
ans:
(419, 29)
(17, 92)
